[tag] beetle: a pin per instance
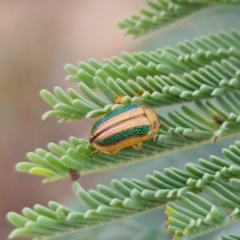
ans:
(127, 126)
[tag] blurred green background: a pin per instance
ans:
(37, 39)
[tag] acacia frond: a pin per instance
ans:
(203, 68)
(164, 12)
(131, 196)
(195, 216)
(205, 122)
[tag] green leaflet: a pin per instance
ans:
(161, 13)
(191, 216)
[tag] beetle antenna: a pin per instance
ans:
(172, 131)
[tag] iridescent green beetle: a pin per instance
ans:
(124, 127)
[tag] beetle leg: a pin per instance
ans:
(152, 138)
(113, 152)
(137, 146)
(94, 153)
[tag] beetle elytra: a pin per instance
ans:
(124, 127)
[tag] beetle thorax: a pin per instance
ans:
(153, 119)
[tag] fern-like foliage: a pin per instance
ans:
(163, 12)
(204, 72)
(199, 69)
(132, 196)
(209, 123)
(195, 216)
